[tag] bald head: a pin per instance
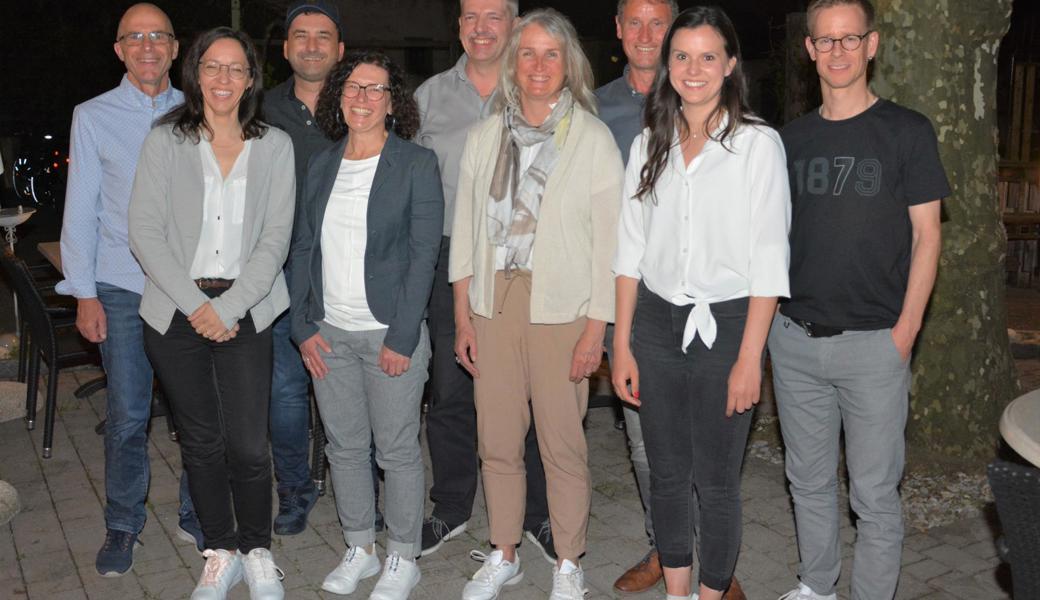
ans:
(147, 46)
(146, 10)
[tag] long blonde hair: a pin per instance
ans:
(577, 74)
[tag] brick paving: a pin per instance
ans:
(47, 551)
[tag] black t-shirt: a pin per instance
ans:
(852, 182)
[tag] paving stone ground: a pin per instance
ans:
(47, 551)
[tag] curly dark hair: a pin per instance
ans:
(404, 121)
(189, 118)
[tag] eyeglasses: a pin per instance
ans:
(234, 70)
(136, 38)
(373, 91)
(849, 42)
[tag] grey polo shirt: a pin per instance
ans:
(621, 108)
(449, 106)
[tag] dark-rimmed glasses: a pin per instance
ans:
(234, 70)
(848, 43)
(136, 38)
(373, 91)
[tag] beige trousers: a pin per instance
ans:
(521, 362)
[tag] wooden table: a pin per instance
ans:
(52, 252)
(1020, 426)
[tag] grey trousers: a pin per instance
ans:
(360, 405)
(636, 447)
(859, 382)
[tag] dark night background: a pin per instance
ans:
(55, 54)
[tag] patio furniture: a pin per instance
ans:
(1016, 488)
(41, 341)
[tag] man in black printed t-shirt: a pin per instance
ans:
(866, 184)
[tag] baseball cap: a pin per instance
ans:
(300, 7)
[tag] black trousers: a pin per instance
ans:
(451, 421)
(695, 451)
(220, 397)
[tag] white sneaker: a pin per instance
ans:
(355, 566)
(568, 582)
(222, 571)
(487, 582)
(804, 592)
(263, 577)
(399, 576)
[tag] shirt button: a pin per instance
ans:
(684, 250)
(308, 122)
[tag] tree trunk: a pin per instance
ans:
(940, 57)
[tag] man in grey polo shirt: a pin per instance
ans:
(449, 104)
(641, 27)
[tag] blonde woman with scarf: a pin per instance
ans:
(533, 237)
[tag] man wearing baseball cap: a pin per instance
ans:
(313, 45)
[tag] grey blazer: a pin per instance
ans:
(166, 219)
(404, 223)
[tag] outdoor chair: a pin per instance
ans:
(41, 340)
(1016, 488)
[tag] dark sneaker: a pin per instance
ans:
(542, 539)
(189, 530)
(436, 531)
(116, 555)
(293, 507)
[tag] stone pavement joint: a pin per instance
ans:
(47, 552)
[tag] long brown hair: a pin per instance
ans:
(189, 119)
(663, 111)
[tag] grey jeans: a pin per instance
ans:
(360, 404)
(636, 447)
(859, 382)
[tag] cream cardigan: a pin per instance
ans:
(577, 224)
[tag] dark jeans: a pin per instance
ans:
(290, 410)
(220, 394)
(451, 421)
(128, 409)
(690, 443)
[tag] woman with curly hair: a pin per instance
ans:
(366, 240)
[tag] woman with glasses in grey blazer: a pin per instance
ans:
(210, 222)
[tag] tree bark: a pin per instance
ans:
(940, 57)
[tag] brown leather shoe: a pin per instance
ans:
(734, 592)
(641, 577)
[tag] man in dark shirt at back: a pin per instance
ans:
(313, 45)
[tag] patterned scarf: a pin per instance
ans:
(514, 201)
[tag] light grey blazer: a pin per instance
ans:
(166, 219)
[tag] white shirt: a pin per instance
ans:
(527, 156)
(718, 230)
(223, 207)
(344, 235)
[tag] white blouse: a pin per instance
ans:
(344, 236)
(223, 208)
(717, 229)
